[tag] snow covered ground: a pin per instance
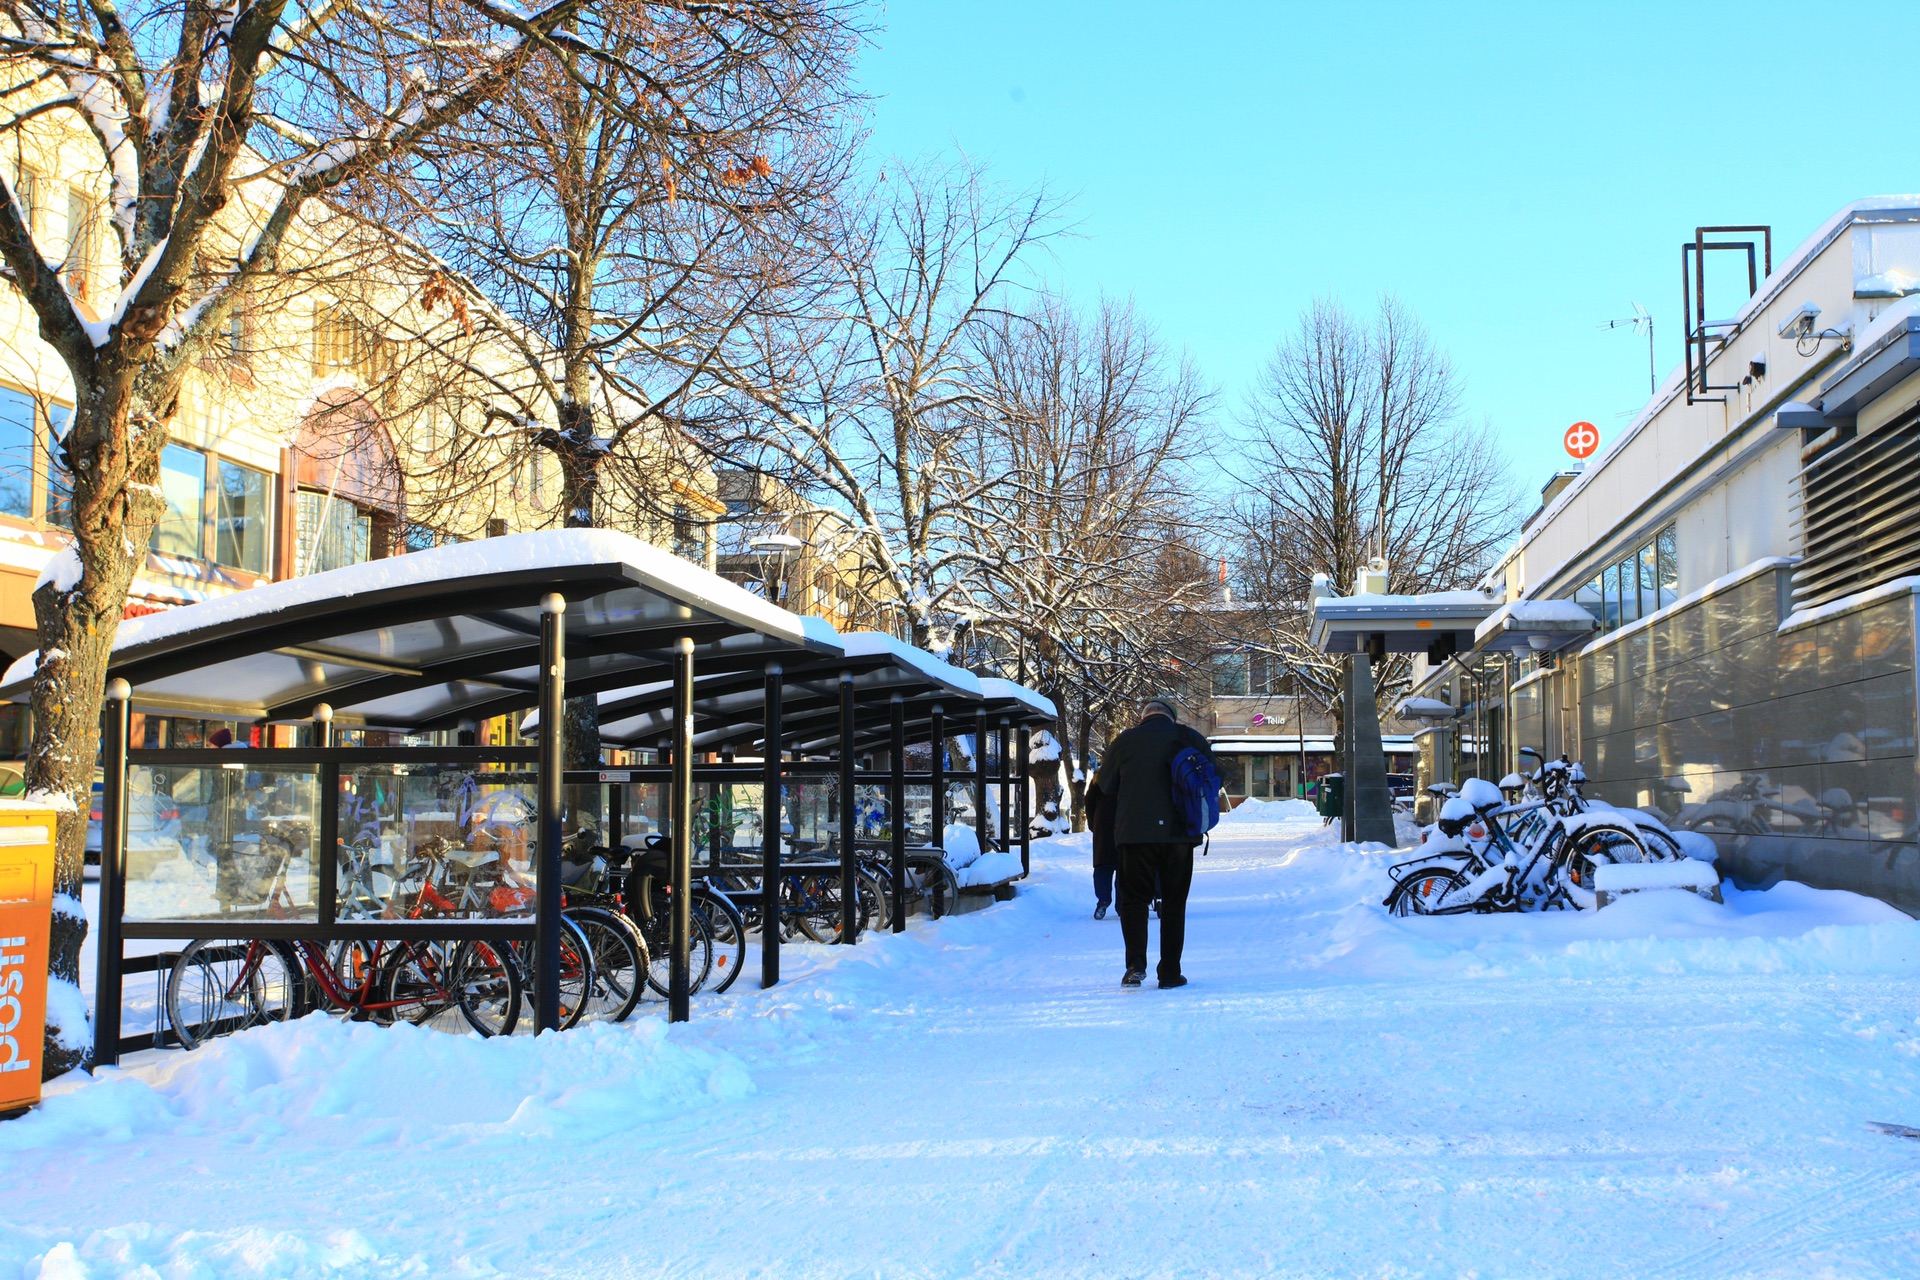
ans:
(1670, 1087)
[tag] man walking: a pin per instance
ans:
(1151, 835)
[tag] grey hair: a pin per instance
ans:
(1165, 703)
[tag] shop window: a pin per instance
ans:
(1229, 675)
(242, 518)
(183, 485)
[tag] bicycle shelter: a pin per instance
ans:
(283, 843)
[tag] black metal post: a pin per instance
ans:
(546, 881)
(680, 819)
(770, 809)
(982, 833)
(849, 880)
(327, 779)
(1002, 745)
(937, 825)
(1021, 788)
(113, 875)
(897, 811)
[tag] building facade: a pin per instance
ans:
(1749, 550)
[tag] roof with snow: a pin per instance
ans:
(437, 638)
(1407, 623)
(1540, 625)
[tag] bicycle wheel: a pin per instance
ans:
(1586, 852)
(728, 928)
(219, 986)
(619, 956)
(1425, 893)
(820, 914)
(659, 938)
(487, 987)
(576, 972)
(942, 891)
(879, 891)
(414, 983)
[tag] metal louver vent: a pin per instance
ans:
(1859, 512)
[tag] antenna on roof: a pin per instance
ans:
(1641, 316)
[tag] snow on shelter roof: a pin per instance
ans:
(1515, 624)
(434, 638)
(729, 706)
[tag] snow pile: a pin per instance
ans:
(990, 868)
(960, 847)
(1256, 812)
(1683, 873)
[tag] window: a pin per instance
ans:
(341, 344)
(32, 194)
(17, 422)
(242, 517)
(1667, 563)
(1638, 584)
(333, 533)
(80, 242)
(183, 484)
(1229, 675)
(59, 479)
(686, 534)
(1267, 675)
(421, 537)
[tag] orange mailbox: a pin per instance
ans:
(26, 912)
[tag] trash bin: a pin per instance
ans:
(26, 914)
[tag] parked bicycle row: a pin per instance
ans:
(614, 951)
(1532, 842)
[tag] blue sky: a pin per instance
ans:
(1517, 174)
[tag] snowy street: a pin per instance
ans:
(1336, 1094)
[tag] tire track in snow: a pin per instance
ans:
(1788, 1235)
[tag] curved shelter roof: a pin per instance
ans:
(435, 638)
(728, 706)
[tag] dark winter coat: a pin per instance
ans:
(1138, 775)
(1100, 809)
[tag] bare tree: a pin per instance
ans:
(1092, 427)
(868, 405)
(623, 251)
(212, 127)
(1358, 450)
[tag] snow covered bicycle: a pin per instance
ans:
(1475, 863)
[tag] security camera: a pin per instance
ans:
(1800, 323)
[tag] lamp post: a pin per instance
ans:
(773, 550)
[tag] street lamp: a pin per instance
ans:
(773, 550)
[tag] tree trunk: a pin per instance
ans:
(77, 610)
(580, 488)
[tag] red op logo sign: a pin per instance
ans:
(1582, 439)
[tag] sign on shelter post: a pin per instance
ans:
(26, 916)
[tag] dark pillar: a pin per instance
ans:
(980, 829)
(937, 822)
(1371, 803)
(326, 872)
(1003, 747)
(849, 880)
(546, 880)
(680, 820)
(770, 805)
(897, 810)
(113, 875)
(1022, 788)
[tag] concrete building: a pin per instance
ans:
(1748, 551)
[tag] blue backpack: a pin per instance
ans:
(1196, 791)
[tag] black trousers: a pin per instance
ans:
(1140, 864)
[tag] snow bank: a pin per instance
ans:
(1254, 812)
(320, 1081)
